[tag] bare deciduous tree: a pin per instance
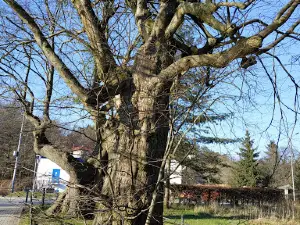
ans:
(120, 59)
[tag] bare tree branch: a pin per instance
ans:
(48, 51)
(218, 60)
(283, 15)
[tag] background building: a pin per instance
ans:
(51, 175)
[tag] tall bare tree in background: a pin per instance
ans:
(121, 61)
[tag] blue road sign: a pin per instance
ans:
(55, 176)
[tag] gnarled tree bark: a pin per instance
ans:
(129, 103)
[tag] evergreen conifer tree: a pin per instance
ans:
(246, 170)
(269, 165)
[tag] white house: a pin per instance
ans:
(176, 172)
(81, 151)
(288, 190)
(50, 175)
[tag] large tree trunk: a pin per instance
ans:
(132, 169)
(75, 201)
(67, 204)
(134, 149)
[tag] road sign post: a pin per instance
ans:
(55, 176)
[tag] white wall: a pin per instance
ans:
(45, 168)
(77, 154)
(176, 173)
(44, 175)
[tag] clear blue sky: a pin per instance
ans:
(256, 112)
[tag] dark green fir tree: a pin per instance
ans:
(269, 166)
(246, 169)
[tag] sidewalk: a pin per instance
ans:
(10, 210)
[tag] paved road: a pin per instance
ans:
(10, 210)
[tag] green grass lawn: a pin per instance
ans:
(42, 219)
(192, 218)
(172, 217)
(26, 221)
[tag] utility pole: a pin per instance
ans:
(17, 156)
(36, 161)
(292, 171)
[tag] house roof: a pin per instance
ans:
(287, 186)
(81, 148)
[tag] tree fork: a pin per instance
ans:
(81, 176)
